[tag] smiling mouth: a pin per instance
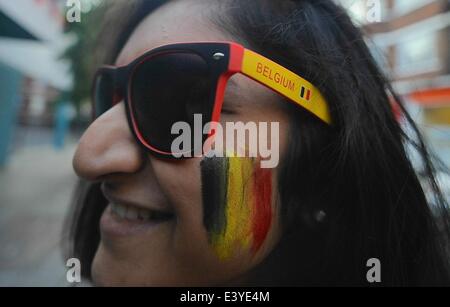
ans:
(132, 213)
(123, 210)
(124, 218)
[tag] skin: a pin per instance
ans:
(177, 252)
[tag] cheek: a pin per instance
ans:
(180, 182)
(237, 205)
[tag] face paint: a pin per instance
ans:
(237, 204)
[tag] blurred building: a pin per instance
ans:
(411, 41)
(31, 72)
(414, 37)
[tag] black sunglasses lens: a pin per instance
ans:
(167, 89)
(103, 93)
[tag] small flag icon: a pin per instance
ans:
(305, 93)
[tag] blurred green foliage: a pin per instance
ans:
(81, 55)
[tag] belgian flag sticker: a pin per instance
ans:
(305, 93)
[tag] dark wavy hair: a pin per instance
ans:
(348, 193)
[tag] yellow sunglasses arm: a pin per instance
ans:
(286, 83)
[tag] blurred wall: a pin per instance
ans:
(10, 80)
(33, 75)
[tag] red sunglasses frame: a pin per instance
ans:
(224, 60)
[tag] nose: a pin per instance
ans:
(108, 147)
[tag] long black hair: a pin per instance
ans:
(348, 193)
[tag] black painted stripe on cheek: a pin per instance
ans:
(214, 174)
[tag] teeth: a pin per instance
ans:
(133, 213)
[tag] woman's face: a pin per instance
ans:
(164, 224)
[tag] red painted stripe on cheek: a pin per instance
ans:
(262, 207)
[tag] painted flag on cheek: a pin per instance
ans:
(237, 204)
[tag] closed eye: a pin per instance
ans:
(230, 107)
(227, 111)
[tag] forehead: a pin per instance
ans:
(175, 22)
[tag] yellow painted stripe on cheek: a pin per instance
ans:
(237, 236)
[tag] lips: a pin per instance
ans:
(132, 213)
(124, 218)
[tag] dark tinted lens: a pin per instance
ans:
(103, 94)
(170, 88)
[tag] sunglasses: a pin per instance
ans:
(172, 83)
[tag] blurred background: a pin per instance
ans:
(45, 67)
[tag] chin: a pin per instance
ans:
(106, 272)
(101, 275)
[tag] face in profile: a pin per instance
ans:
(198, 221)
